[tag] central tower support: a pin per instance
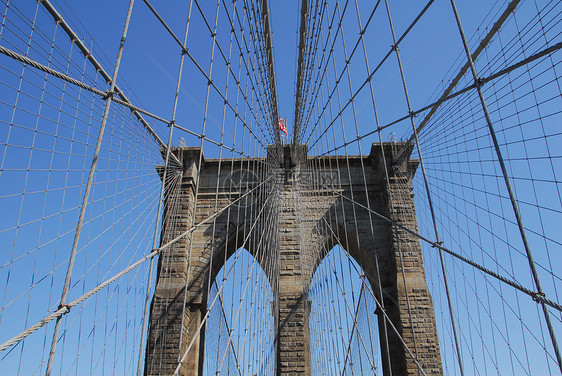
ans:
(293, 349)
(319, 203)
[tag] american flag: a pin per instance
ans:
(283, 125)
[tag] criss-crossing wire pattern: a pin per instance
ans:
(473, 204)
(94, 173)
(343, 329)
(240, 341)
(57, 90)
(462, 198)
(49, 132)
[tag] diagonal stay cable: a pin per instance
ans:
(495, 28)
(210, 307)
(103, 95)
(379, 305)
(536, 297)
(498, 74)
(242, 45)
(428, 192)
(258, 50)
(90, 57)
(88, 189)
(162, 189)
(369, 77)
(509, 188)
(66, 308)
(185, 50)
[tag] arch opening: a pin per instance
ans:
(343, 325)
(240, 330)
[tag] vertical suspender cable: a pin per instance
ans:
(512, 198)
(270, 68)
(162, 188)
(379, 283)
(445, 279)
(88, 189)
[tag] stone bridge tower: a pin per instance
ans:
(313, 214)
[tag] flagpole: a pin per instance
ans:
(283, 128)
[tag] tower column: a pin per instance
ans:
(178, 305)
(293, 339)
(407, 300)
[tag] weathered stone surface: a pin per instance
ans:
(303, 204)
